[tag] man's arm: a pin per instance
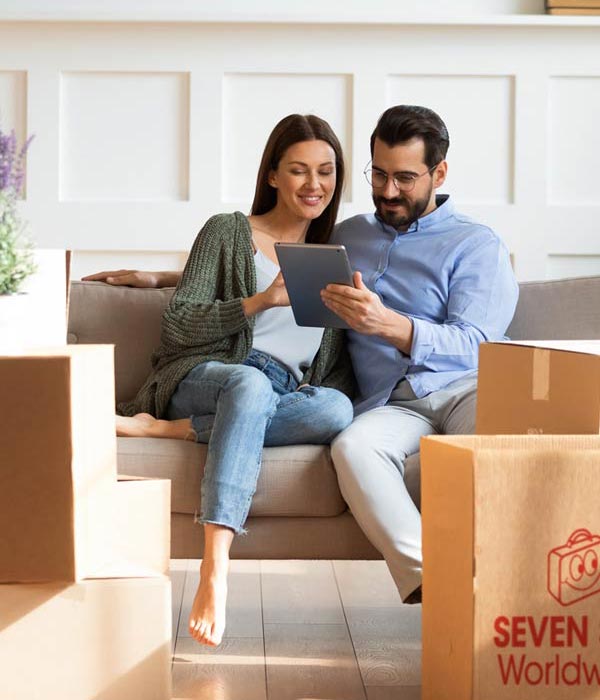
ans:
(136, 278)
(482, 297)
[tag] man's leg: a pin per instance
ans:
(369, 460)
(451, 410)
(459, 412)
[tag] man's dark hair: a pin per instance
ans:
(405, 122)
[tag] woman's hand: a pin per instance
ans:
(135, 278)
(274, 295)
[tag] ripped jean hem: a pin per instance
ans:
(199, 520)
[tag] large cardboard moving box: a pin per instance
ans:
(539, 387)
(511, 567)
(94, 640)
(57, 462)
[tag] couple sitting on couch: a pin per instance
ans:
(233, 370)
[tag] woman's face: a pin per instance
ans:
(305, 178)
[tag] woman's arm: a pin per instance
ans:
(136, 278)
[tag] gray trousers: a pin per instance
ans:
(369, 458)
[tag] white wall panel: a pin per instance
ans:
(560, 266)
(479, 113)
(573, 140)
(124, 136)
(146, 128)
(13, 105)
(13, 102)
(252, 105)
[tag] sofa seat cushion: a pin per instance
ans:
(294, 481)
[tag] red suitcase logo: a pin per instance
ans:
(574, 568)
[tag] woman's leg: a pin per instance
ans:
(207, 618)
(310, 416)
(231, 406)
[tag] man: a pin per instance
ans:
(431, 284)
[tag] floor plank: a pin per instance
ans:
(311, 661)
(372, 605)
(393, 692)
(244, 614)
(301, 629)
(177, 573)
(387, 662)
(235, 670)
(295, 591)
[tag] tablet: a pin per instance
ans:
(307, 268)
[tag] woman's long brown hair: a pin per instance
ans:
(290, 130)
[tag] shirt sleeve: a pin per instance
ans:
(482, 298)
(197, 315)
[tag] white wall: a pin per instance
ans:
(145, 128)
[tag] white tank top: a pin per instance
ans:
(275, 330)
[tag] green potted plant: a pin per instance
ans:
(16, 251)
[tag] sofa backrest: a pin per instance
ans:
(130, 319)
(127, 317)
(567, 309)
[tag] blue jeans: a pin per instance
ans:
(236, 410)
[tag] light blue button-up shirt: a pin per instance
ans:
(450, 276)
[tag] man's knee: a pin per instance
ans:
(346, 447)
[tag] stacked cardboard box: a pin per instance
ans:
(573, 7)
(539, 387)
(511, 532)
(84, 600)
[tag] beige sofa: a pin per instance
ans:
(298, 511)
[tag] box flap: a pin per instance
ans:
(587, 347)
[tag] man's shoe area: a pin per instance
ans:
(414, 598)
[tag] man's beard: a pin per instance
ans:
(414, 210)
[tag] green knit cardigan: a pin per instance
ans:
(205, 319)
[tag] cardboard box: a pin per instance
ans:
(539, 387)
(511, 575)
(94, 640)
(57, 462)
(143, 525)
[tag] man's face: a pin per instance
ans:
(397, 207)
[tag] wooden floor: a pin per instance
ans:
(332, 630)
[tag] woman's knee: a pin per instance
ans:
(336, 410)
(251, 386)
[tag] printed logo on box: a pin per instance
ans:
(572, 641)
(574, 568)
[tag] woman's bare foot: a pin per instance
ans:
(207, 619)
(140, 425)
(145, 425)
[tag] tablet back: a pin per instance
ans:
(308, 268)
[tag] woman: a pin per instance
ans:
(233, 369)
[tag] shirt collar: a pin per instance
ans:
(444, 209)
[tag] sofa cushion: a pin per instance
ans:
(128, 317)
(298, 480)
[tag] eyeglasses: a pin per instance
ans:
(404, 182)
